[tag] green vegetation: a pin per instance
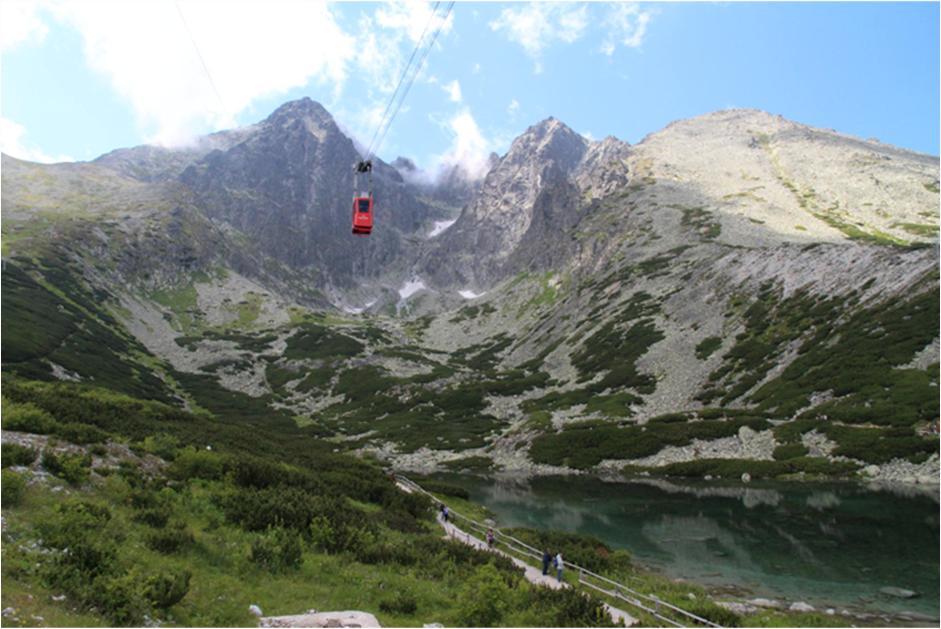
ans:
(77, 332)
(585, 550)
(770, 324)
(707, 346)
(15, 454)
(181, 301)
(225, 528)
(734, 468)
(319, 342)
(919, 229)
(469, 313)
(789, 451)
(932, 187)
(614, 351)
(583, 447)
(860, 360)
(703, 221)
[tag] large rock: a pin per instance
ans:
(898, 592)
(323, 619)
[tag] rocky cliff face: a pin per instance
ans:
(528, 194)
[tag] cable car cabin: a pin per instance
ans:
(362, 215)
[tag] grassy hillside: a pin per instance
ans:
(141, 520)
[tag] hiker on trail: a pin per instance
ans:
(559, 565)
(444, 513)
(490, 539)
(546, 558)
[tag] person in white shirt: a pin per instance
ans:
(559, 565)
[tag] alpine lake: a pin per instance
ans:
(832, 545)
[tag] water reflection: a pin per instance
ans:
(833, 543)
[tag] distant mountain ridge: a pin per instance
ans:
(536, 317)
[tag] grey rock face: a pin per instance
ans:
(528, 195)
(289, 185)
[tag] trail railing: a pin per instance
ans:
(645, 602)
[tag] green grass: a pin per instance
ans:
(919, 229)
(181, 301)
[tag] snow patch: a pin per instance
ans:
(440, 226)
(353, 310)
(410, 288)
(469, 294)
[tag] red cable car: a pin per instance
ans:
(362, 215)
(363, 201)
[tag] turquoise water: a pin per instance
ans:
(825, 544)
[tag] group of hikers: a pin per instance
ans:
(547, 557)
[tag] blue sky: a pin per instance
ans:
(80, 78)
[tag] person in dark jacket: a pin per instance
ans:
(546, 558)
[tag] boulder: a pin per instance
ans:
(898, 592)
(255, 610)
(801, 606)
(767, 603)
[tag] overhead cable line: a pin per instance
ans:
(384, 126)
(202, 61)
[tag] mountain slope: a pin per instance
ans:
(726, 272)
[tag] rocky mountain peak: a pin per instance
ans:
(552, 140)
(304, 112)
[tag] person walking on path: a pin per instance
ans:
(444, 512)
(490, 538)
(559, 565)
(545, 562)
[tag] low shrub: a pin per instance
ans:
(15, 454)
(163, 445)
(485, 598)
(445, 489)
(789, 451)
(386, 553)
(28, 418)
(715, 613)
(565, 607)
(73, 468)
(119, 598)
(81, 433)
(13, 486)
(170, 539)
(277, 550)
(402, 602)
(585, 550)
(192, 463)
(166, 589)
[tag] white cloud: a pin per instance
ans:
(469, 148)
(537, 26)
(12, 136)
(385, 41)
(513, 108)
(413, 17)
(20, 23)
(453, 90)
(626, 24)
(145, 50)
(476, 69)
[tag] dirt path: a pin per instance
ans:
(533, 575)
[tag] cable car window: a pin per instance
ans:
(364, 205)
